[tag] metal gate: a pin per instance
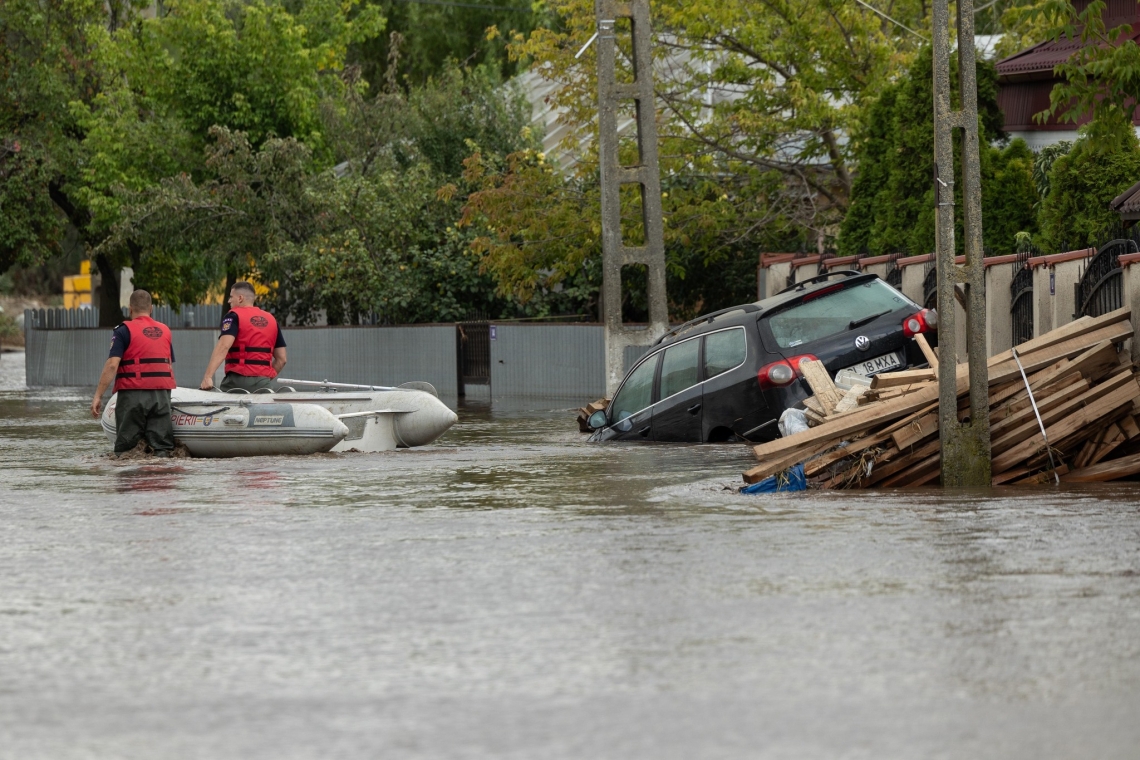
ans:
(1021, 300)
(894, 271)
(930, 286)
(1101, 286)
(473, 340)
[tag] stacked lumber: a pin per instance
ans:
(585, 412)
(1086, 392)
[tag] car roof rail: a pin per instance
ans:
(821, 278)
(746, 308)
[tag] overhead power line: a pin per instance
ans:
(888, 18)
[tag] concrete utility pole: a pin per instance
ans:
(965, 447)
(645, 174)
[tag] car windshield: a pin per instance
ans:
(637, 393)
(834, 312)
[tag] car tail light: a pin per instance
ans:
(923, 321)
(781, 373)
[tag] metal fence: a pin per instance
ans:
(548, 361)
(367, 355)
(187, 315)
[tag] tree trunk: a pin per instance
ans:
(110, 313)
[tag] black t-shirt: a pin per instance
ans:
(230, 327)
(121, 338)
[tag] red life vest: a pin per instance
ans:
(146, 364)
(252, 352)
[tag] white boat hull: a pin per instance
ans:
(380, 420)
(225, 425)
(366, 420)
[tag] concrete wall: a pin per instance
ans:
(548, 361)
(777, 278)
(999, 322)
(365, 355)
(912, 277)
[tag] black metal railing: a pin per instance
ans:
(930, 286)
(1021, 299)
(1100, 288)
(894, 271)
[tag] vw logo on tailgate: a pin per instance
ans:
(862, 343)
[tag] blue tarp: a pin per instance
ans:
(792, 479)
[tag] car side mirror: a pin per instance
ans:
(597, 419)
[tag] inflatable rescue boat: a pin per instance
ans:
(303, 417)
(237, 426)
(379, 418)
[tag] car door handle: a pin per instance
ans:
(694, 408)
(644, 431)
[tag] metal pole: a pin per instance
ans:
(965, 447)
(645, 174)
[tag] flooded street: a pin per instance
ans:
(513, 592)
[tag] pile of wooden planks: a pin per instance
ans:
(1086, 392)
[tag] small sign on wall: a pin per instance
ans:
(492, 332)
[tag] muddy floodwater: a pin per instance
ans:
(513, 592)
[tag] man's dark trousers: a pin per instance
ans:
(234, 382)
(143, 413)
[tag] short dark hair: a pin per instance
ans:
(243, 285)
(141, 302)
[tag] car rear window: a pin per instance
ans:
(833, 313)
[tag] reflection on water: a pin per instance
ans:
(513, 592)
(149, 478)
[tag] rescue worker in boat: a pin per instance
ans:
(141, 365)
(251, 344)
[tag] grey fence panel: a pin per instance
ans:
(75, 357)
(631, 354)
(65, 357)
(375, 355)
(366, 355)
(548, 361)
(189, 315)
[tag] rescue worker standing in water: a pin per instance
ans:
(251, 344)
(141, 364)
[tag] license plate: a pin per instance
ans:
(878, 364)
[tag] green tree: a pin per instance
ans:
(99, 103)
(892, 205)
(1101, 77)
(431, 34)
(374, 238)
(755, 104)
(1075, 213)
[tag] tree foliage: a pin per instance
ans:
(1101, 77)
(432, 34)
(892, 204)
(373, 239)
(98, 102)
(755, 101)
(1075, 213)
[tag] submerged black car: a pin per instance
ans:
(729, 375)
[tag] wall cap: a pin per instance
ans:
(768, 259)
(1060, 258)
(1129, 259)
